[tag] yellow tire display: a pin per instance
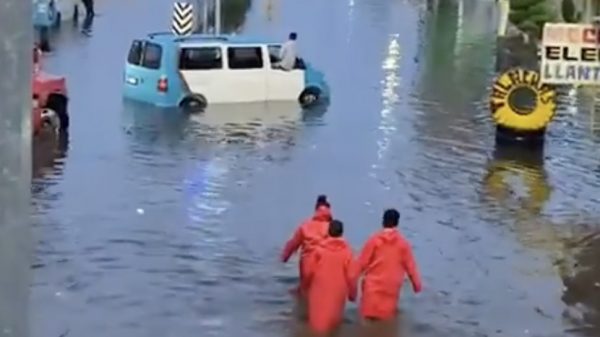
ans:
(520, 102)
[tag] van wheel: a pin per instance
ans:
(309, 96)
(193, 103)
(58, 104)
(50, 120)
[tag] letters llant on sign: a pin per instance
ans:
(570, 54)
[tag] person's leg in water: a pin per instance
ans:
(89, 8)
(380, 327)
(89, 16)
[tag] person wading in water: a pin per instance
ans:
(308, 235)
(89, 16)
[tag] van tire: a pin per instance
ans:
(309, 97)
(50, 120)
(58, 103)
(193, 103)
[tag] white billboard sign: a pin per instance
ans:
(570, 54)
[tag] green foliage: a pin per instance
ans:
(522, 4)
(569, 12)
(530, 15)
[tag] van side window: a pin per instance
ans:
(204, 58)
(274, 51)
(245, 57)
(135, 53)
(152, 56)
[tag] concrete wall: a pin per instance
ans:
(16, 36)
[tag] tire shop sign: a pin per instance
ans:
(570, 54)
(519, 101)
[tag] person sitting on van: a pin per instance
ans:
(288, 54)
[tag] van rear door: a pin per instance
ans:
(143, 70)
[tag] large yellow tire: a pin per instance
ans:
(520, 102)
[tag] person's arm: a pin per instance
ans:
(365, 257)
(408, 261)
(292, 245)
(351, 279)
(310, 272)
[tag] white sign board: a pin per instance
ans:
(570, 54)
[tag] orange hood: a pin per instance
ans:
(334, 244)
(389, 235)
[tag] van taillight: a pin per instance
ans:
(163, 84)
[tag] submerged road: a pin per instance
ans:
(153, 224)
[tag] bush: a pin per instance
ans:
(530, 15)
(568, 11)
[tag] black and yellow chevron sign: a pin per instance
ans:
(183, 18)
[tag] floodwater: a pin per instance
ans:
(155, 224)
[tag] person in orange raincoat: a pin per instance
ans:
(307, 237)
(385, 261)
(331, 280)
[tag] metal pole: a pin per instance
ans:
(205, 17)
(504, 9)
(217, 17)
(16, 34)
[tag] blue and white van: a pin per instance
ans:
(192, 71)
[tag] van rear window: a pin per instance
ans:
(145, 54)
(135, 53)
(152, 56)
(204, 58)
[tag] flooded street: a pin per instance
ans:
(156, 224)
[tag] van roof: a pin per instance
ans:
(169, 37)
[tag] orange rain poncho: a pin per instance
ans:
(331, 282)
(385, 261)
(307, 237)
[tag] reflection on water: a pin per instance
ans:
(391, 80)
(259, 124)
(49, 152)
(582, 287)
(518, 174)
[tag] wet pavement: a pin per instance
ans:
(156, 224)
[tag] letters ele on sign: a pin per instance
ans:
(570, 54)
